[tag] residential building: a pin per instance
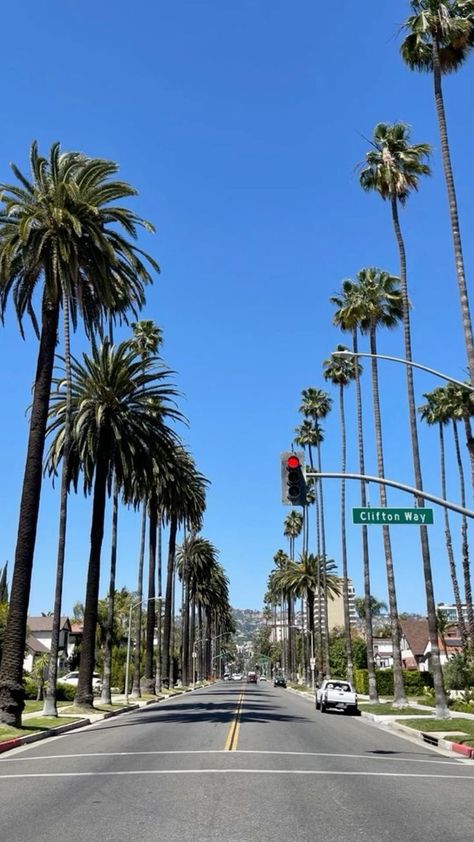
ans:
(39, 640)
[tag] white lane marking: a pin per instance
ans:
(455, 762)
(234, 772)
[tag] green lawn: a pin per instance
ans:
(32, 705)
(454, 726)
(42, 723)
(387, 709)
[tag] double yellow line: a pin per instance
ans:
(233, 733)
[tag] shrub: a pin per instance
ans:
(415, 682)
(65, 692)
(30, 686)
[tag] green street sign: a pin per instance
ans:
(392, 517)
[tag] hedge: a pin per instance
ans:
(415, 682)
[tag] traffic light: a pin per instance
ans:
(293, 482)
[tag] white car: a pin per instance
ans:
(262, 677)
(338, 694)
(73, 678)
(237, 676)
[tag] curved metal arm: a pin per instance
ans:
(393, 484)
(405, 362)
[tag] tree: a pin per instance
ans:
(440, 39)
(347, 317)
(4, 583)
(381, 305)
(119, 407)
(316, 405)
(435, 412)
(377, 607)
(393, 170)
(60, 230)
(341, 371)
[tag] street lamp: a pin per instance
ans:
(404, 362)
(129, 636)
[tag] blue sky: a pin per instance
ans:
(241, 125)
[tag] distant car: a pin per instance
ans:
(279, 681)
(251, 678)
(236, 676)
(227, 676)
(263, 677)
(73, 678)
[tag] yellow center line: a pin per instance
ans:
(233, 733)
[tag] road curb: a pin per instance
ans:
(15, 742)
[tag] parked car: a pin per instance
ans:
(279, 681)
(227, 676)
(73, 678)
(237, 676)
(337, 694)
(251, 678)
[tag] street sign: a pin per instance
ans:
(392, 517)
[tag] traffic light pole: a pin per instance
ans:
(393, 484)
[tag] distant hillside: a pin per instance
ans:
(247, 623)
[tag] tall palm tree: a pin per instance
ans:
(382, 306)
(440, 39)
(147, 338)
(316, 405)
(182, 496)
(341, 371)
(435, 412)
(293, 527)
(195, 559)
(457, 402)
(393, 170)
(347, 317)
(61, 229)
(119, 406)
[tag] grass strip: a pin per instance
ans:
(454, 726)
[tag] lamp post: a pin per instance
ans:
(129, 636)
(405, 362)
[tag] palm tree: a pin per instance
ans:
(435, 412)
(182, 496)
(382, 305)
(341, 371)
(293, 527)
(82, 258)
(440, 39)
(316, 405)
(147, 338)
(457, 402)
(119, 404)
(195, 559)
(393, 170)
(347, 317)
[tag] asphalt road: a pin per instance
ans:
(234, 763)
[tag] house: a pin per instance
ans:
(413, 644)
(383, 652)
(39, 640)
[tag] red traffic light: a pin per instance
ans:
(293, 462)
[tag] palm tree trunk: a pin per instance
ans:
(398, 687)
(327, 667)
(449, 541)
(464, 542)
(149, 679)
(345, 586)
(11, 671)
(373, 694)
(470, 444)
(136, 692)
(84, 696)
(49, 707)
(159, 609)
(167, 621)
(105, 696)
(441, 705)
(185, 647)
(453, 213)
